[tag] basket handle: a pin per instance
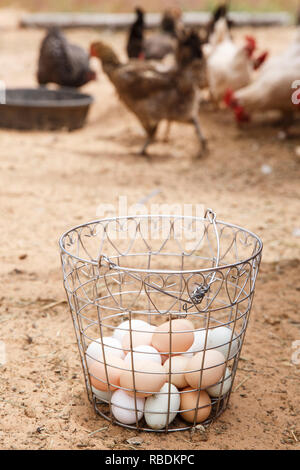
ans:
(201, 290)
(210, 215)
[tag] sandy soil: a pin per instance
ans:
(52, 181)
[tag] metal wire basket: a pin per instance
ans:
(191, 280)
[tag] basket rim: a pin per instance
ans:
(161, 271)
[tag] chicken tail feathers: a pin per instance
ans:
(136, 35)
(220, 13)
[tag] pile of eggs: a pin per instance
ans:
(169, 369)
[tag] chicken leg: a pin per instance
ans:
(167, 132)
(201, 137)
(145, 146)
(150, 137)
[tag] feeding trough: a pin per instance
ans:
(43, 109)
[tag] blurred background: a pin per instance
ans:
(110, 6)
(51, 181)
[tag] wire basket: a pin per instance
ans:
(160, 306)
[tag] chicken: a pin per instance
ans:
(153, 95)
(136, 36)
(63, 63)
(229, 65)
(272, 89)
(156, 46)
(220, 12)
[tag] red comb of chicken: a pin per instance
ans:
(260, 60)
(241, 115)
(229, 98)
(251, 45)
(91, 75)
(231, 101)
(92, 51)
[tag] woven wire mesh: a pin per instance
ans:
(149, 268)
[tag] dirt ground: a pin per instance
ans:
(52, 181)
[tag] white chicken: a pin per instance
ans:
(229, 65)
(273, 87)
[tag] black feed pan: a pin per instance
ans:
(44, 109)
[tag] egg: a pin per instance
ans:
(156, 407)
(213, 369)
(123, 407)
(114, 366)
(101, 395)
(136, 324)
(139, 338)
(112, 346)
(143, 353)
(198, 344)
(220, 338)
(188, 402)
(149, 377)
(182, 336)
(215, 390)
(164, 357)
(178, 369)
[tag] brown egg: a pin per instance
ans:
(149, 377)
(188, 401)
(181, 338)
(213, 369)
(178, 368)
(98, 375)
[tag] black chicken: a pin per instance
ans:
(156, 46)
(63, 63)
(135, 41)
(220, 12)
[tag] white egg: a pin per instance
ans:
(198, 344)
(123, 407)
(143, 353)
(219, 338)
(156, 407)
(112, 346)
(121, 330)
(215, 390)
(101, 395)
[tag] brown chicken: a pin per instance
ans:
(154, 95)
